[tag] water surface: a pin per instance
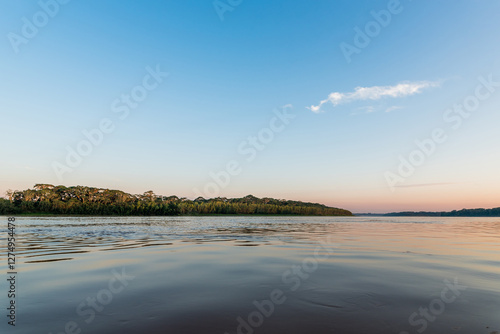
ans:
(256, 275)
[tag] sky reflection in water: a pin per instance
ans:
(199, 274)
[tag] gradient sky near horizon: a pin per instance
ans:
(353, 120)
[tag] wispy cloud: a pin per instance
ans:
(364, 110)
(367, 109)
(423, 185)
(375, 93)
(393, 108)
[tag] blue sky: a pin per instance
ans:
(225, 80)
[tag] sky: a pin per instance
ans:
(371, 106)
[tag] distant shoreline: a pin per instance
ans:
(493, 212)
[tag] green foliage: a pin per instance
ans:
(79, 200)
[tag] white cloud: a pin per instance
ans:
(424, 185)
(372, 109)
(375, 93)
(366, 109)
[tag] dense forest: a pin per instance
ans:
(80, 200)
(495, 212)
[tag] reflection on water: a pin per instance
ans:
(257, 275)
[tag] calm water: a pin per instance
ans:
(255, 275)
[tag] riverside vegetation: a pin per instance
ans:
(494, 212)
(81, 200)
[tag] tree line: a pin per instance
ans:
(81, 200)
(494, 212)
